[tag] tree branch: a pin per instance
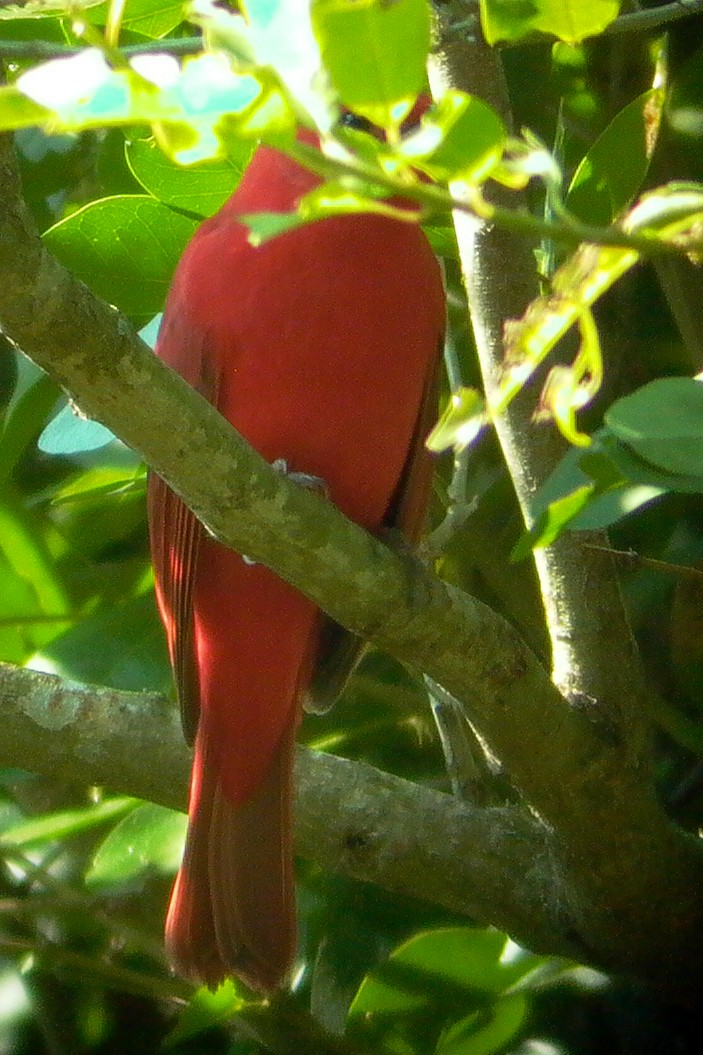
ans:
(594, 660)
(583, 607)
(492, 865)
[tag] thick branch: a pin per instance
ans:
(626, 863)
(582, 602)
(493, 865)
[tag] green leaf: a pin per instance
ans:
(460, 423)
(339, 198)
(18, 111)
(149, 839)
(63, 823)
(23, 623)
(612, 506)
(205, 1010)
(149, 18)
(122, 646)
(613, 170)
(483, 1034)
(663, 423)
(639, 471)
(674, 209)
(24, 421)
(124, 248)
(50, 9)
(552, 521)
(595, 489)
(460, 138)
(99, 482)
(22, 547)
(569, 20)
(434, 981)
(266, 225)
(200, 189)
(277, 34)
(575, 286)
(417, 972)
(375, 52)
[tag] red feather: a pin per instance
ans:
(321, 348)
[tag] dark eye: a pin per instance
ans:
(361, 124)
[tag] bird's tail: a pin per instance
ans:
(232, 909)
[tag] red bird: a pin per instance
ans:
(320, 347)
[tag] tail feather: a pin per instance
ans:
(232, 909)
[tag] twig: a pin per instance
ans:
(46, 50)
(636, 560)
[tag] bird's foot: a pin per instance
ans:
(307, 480)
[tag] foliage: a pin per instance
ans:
(124, 149)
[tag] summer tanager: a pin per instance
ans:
(320, 347)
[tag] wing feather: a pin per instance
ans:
(176, 533)
(340, 651)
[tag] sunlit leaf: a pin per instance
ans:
(568, 389)
(461, 422)
(673, 210)
(576, 285)
(464, 957)
(102, 481)
(441, 986)
(149, 839)
(19, 111)
(552, 521)
(25, 553)
(199, 189)
(205, 1010)
(124, 248)
(339, 199)
(484, 1034)
(149, 18)
(23, 624)
(460, 138)
(48, 9)
(84, 91)
(613, 170)
(375, 52)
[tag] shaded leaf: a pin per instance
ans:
(570, 20)
(64, 823)
(663, 423)
(149, 839)
(122, 647)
